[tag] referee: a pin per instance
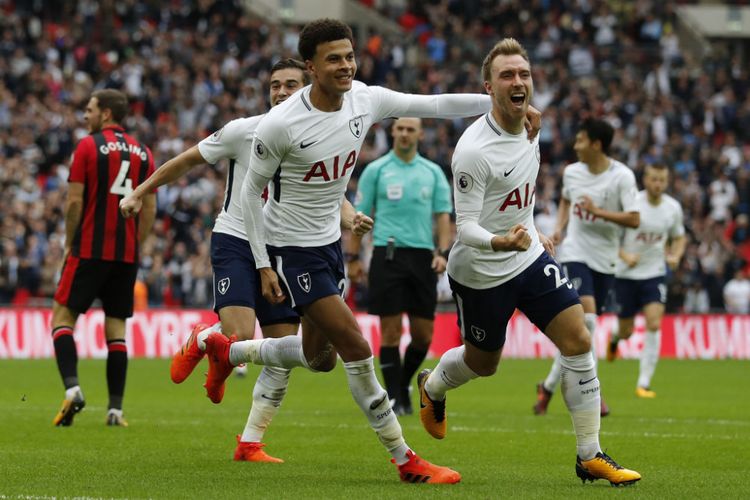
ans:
(403, 191)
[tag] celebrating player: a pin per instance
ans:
(237, 297)
(308, 147)
(500, 262)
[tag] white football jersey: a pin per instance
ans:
(233, 142)
(494, 175)
(659, 223)
(309, 155)
(589, 239)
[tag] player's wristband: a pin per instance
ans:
(351, 257)
(443, 253)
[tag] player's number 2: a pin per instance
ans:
(123, 184)
(551, 269)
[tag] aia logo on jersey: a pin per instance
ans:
(223, 285)
(304, 281)
(331, 172)
(356, 126)
(649, 237)
(520, 197)
(583, 214)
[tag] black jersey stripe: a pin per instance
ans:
(102, 187)
(120, 227)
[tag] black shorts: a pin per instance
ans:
(589, 282)
(405, 284)
(541, 292)
(83, 280)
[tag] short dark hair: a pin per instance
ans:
(321, 31)
(598, 130)
(113, 100)
(290, 63)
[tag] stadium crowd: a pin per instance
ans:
(189, 67)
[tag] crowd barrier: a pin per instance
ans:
(158, 333)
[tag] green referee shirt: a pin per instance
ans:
(402, 198)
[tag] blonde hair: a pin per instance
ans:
(505, 47)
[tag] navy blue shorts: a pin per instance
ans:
(589, 282)
(237, 282)
(632, 295)
(541, 292)
(309, 273)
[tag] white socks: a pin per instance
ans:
(203, 334)
(373, 400)
(553, 377)
(580, 390)
(451, 372)
(74, 393)
(269, 391)
(284, 352)
(649, 357)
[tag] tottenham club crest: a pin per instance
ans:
(478, 333)
(260, 149)
(304, 282)
(223, 285)
(464, 182)
(356, 126)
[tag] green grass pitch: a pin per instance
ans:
(690, 442)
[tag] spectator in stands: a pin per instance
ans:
(737, 294)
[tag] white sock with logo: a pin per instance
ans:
(283, 352)
(203, 334)
(580, 390)
(268, 393)
(451, 372)
(374, 402)
(649, 357)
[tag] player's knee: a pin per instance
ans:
(577, 343)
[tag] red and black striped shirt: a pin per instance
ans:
(110, 164)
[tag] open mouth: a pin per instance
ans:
(517, 98)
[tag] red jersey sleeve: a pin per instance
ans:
(81, 156)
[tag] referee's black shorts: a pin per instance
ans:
(405, 284)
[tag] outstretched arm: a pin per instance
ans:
(172, 170)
